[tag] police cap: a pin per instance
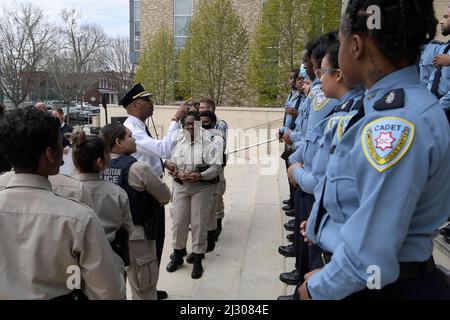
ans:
(137, 92)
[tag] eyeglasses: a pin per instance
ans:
(323, 71)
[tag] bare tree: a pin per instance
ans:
(25, 37)
(81, 44)
(61, 68)
(116, 65)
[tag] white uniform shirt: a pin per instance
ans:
(150, 150)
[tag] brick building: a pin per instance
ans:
(147, 15)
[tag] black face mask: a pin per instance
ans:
(207, 126)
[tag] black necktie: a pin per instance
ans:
(148, 131)
(150, 135)
(437, 77)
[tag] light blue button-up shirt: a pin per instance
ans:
(317, 143)
(291, 100)
(428, 55)
(426, 66)
(388, 187)
(299, 133)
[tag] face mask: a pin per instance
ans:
(303, 72)
(207, 126)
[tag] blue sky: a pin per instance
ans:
(112, 15)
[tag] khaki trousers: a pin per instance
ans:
(143, 271)
(192, 203)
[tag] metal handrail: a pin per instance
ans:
(251, 146)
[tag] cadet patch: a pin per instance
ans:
(342, 125)
(331, 123)
(313, 92)
(320, 101)
(386, 140)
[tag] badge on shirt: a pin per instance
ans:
(386, 140)
(320, 101)
(331, 123)
(342, 125)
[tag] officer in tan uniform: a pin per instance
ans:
(62, 184)
(196, 173)
(209, 120)
(109, 201)
(146, 192)
(220, 126)
(51, 247)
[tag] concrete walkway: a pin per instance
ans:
(245, 263)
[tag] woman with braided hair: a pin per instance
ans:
(386, 183)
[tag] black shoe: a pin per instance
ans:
(286, 201)
(219, 229)
(211, 241)
(161, 294)
(182, 250)
(176, 260)
(290, 225)
(290, 297)
(445, 231)
(290, 237)
(190, 259)
(287, 207)
(292, 278)
(287, 251)
(197, 269)
(290, 213)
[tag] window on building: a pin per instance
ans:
(182, 19)
(137, 25)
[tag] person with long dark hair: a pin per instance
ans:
(146, 193)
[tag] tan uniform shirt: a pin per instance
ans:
(42, 235)
(5, 178)
(62, 185)
(110, 203)
(142, 177)
(190, 156)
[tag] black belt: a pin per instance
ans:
(416, 269)
(407, 269)
(213, 181)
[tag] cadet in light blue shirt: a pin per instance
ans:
(439, 79)
(291, 101)
(387, 179)
(334, 87)
(298, 135)
(426, 66)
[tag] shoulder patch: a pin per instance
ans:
(386, 140)
(320, 101)
(342, 125)
(332, 121)
(345, 107)
(392, 100)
